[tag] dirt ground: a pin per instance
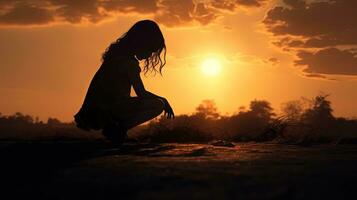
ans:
(97, 170)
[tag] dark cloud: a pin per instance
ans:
(224, 5)
(316, 76)
(176, 12)
(180, 12)
(77, 11)
(24, 14)
(320, 76)
(329, 61)
(128, 6)
(205, 15)
(167, 12)
(323, 25)
(255, 3)
(6, 2)
(231, 5)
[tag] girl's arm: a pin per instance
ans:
(140, 90)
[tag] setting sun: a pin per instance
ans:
(211, 66)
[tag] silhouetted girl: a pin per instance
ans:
(108, 104)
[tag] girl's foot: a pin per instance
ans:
(115, 134)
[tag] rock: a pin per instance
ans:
(222, 143)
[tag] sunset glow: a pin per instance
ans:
(211, 66)
(255, 53)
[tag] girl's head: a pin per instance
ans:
(143, 40)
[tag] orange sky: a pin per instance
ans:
(47, 61)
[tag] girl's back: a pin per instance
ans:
(111, 84)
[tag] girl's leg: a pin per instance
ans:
(140, 110)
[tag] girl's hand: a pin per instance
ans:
(168, 112)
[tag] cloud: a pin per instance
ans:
(180, 12)
(176, 12)
(167, 12)
(320, 77)
(316, 76)
(77, 11)
(322, 24)
(129, 6)
(273, 61)
(231, 5)
(329, 61)
(328, 26)
(24, 14)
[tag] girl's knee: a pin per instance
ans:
(153, 107)
(158, 104)
(152, 103)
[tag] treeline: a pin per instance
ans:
(22, 119)
(25, 127)
(303, 121)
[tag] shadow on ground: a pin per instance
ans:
(97, 170)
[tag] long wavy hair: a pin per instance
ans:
(143, 34)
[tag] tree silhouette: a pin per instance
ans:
(207, 109)
(53, 121)
(320, 112)
(292, 110)
(261, 109)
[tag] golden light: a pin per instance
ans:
(211, 66)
